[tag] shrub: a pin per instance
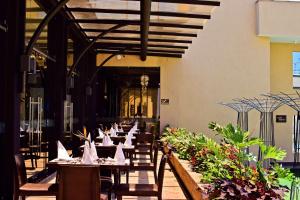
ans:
(223, 166)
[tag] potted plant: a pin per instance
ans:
(224, 167)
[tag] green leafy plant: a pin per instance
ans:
(223, 166)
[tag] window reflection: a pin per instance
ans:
(135, 103)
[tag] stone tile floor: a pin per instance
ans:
(171, 188)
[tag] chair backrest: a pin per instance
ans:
(161, 173)
(106, 151)
(79, 182)
(20, 171)
(156, 147)
(145, 138)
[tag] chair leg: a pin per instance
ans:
(155, 175)
(127, 177)
(31, 158)
(109, 195)
(119, 197)
(159, 197)
(151, 155)
(16, 196)
(36, 159)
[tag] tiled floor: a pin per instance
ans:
(171, 188)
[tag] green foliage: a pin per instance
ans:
(272, 152)
(226, 160)
(235, 136)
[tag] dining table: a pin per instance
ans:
(116, 139)
(124, 133)
(128, 150)
(102, 163)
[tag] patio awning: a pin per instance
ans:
(162, 28)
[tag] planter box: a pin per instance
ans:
(185, 174)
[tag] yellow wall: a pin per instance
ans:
(282, 81)
(227, 60)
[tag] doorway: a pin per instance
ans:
(128, 93)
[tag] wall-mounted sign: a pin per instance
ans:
(281, 118)
(164, 101)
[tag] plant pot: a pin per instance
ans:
(185, 174)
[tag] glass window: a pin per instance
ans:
(296, 69)
(138, 103)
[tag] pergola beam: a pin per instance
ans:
(137, 12)
(150, 39)
(150, 32)
(110, 44)
(149, 50)
(133, 39)
(164, 33)
(138, 50)
(133, 22)
(100, 45)
(194, 2)
(75, 29)
(148, 54)
(34, 9)
(43, 23)
(90, 45)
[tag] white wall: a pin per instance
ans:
(279, 20)
(227, 60)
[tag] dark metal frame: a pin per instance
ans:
(136, 12)
(42, 25)
(293, 101)
(132, 22)
(91, 44)
(145, 8)
(266, 107)
(144, 23)
(242, 109)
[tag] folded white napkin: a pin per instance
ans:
(119, 155)
(130, 134)
(116, 127)
(134, 128)
(89, 137)
(93, 152)
(62, 153)
(101, 134)
(106, 141)
(87, 157)
(128, 141)
(112, 132)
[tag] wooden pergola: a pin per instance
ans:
(85, 28)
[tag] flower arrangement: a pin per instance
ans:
(223, 167)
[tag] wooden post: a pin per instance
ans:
(91, 98)
(79, 94)
(12, 16)
(55, 88)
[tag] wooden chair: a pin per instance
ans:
(79, 182)
(144, 189)
(109, 151)
(142, 166)
(144, 144)
(23, 188)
